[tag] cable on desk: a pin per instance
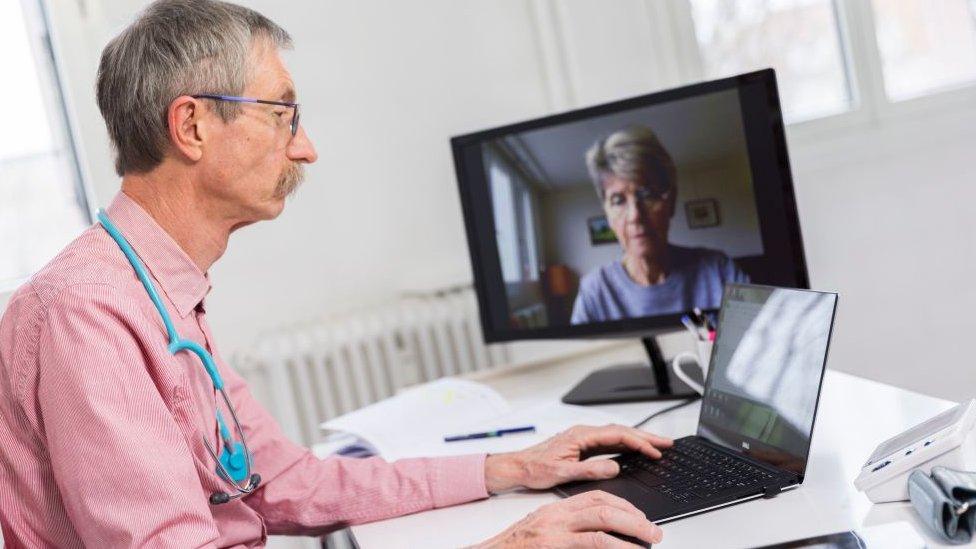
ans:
(666, 410)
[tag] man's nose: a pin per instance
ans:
(301, 149)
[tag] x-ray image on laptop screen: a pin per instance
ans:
(767, 367)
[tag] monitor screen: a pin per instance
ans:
(617, 219)
(767, 365)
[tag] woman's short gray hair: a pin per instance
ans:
(634, 154)
(176, 47)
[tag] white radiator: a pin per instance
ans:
(326, 368)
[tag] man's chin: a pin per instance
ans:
(266, 211)
(275, 208)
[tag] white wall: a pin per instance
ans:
(893, 232)
(728, 181)
(885, 206)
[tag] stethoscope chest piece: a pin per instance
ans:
(235, 463)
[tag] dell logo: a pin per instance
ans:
(745, 445)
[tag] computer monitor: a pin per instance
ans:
(618, 219)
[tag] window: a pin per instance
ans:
(506, 224)
(907, 48)
(42, 199)
(798, 38)
(515, 221)
(925, 45)
(530, 265)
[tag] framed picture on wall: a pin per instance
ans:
(702, 213)
(600, 231)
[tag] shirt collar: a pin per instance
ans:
(177, 275)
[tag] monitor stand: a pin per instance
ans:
(632, 382)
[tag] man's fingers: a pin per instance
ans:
(595, 498)
(656, 440)
(615, 436)
(601, 540)
(606, 518)
(594, 469)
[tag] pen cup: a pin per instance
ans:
(702, 357)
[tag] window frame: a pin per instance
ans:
(38, 12)
(871, 113)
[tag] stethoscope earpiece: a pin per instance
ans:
(219, 498)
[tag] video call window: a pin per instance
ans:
(632, 214)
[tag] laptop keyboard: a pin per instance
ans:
(690, 471)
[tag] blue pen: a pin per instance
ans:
(491, 434)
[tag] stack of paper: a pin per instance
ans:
(415, 422)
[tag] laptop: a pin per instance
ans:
(757, 413)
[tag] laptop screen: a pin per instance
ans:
(766, 369)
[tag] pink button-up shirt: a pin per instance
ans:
(101, 427)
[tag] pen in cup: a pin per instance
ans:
(491, 434)
(705, 321)
(696, 330)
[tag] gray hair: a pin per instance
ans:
(635, 154)
(176, 47)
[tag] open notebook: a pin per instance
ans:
(415, 422)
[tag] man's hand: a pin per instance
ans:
(580, 521)
(560, 459)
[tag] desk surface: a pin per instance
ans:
(855, 414)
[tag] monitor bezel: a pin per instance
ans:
(631, 327)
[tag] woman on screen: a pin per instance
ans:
(636, 181)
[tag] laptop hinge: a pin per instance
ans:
(772, 468)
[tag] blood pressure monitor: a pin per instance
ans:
(945, 439)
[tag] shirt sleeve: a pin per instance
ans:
(303, 495)
(121, 463)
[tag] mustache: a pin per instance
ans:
(290, 180)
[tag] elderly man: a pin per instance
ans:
(114, 426)
(636, 181)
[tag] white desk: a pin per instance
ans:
(854, 415)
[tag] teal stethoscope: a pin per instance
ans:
(234, 462)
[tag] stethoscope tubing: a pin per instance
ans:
(177, 344)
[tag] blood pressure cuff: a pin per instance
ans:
(946, 501)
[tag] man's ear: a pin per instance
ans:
(187, 127)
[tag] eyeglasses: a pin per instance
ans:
(294, 118)
(616, 203)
